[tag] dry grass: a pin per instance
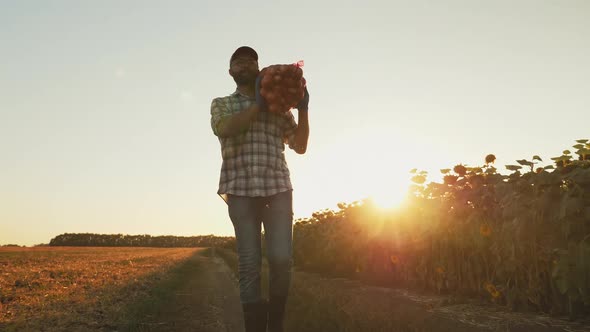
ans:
(78, 288)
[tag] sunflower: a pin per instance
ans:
(450, 179)
(492, 290)
(460, 169)
(485, 230)
(490, 158)
(394, 259)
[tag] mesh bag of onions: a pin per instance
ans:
(282, 86)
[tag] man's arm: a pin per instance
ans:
(302, 131)
(234, 124)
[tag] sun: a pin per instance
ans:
(368, 165)
(388, 199)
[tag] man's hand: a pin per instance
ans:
(304, 103)
(259, 100)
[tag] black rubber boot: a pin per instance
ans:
(255, 316)
(276, 313)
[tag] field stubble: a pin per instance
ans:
(71, 288)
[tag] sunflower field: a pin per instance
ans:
(520, 240)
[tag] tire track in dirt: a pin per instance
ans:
(207, 300)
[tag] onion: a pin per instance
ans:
(282, 86)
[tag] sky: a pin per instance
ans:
(105, 105)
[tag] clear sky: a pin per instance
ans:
(104, 105)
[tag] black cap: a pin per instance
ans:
(244, 50)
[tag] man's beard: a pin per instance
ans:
(245, 77)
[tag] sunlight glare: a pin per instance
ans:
(388, 200)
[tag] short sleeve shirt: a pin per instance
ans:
(253, 161)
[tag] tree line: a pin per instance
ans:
(144, 240)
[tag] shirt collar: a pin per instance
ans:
(237, 93)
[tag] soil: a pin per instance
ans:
(358, 307)
(209, 301)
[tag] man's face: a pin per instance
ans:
(244, 70)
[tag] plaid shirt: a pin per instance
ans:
(253, 161)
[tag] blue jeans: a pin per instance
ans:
(276, 213)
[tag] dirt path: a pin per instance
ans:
(358, 307)
(205, 300)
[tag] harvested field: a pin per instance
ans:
(61, 288)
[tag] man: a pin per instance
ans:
(255, 183)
